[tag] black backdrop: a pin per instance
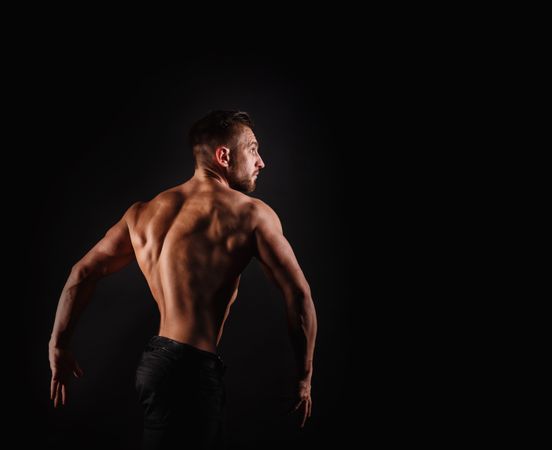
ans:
(108, 131)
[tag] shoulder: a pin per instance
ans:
(131, 214)
(261, 207)
(166, 198)
(263, 214)
(243, 204)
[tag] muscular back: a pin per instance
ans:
(192, 242)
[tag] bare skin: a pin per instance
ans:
(192, 242)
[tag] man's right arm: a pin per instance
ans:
(113, 252)
(277, 257)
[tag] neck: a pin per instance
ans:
(209, 174)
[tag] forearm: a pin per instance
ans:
(75, 296)
(302, 324)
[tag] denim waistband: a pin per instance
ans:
(183, 349)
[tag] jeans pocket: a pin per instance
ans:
(153, 369)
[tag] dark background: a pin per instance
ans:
(107, 131)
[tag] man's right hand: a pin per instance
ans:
(62, 365)
(304, 402)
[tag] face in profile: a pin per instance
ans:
(245, 161)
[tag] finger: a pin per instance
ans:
(60, 385)
(305, 411)
(57, 395)
(56, 383)
(52, 388)
(63, 393)
(77, 371)
(310, 408)
(296, 407)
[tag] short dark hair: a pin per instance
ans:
(218, 128)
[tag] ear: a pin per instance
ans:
(222, 156)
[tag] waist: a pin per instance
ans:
(183, 350)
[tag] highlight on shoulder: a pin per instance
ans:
(263, 213)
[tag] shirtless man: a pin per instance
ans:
(192, 242)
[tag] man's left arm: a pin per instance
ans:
(113, 252)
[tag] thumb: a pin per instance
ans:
(295, 407)
(77, 371)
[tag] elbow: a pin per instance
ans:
(81, 272)
(307, 315)
(304, 292)
(301, 311)
(300, 294)
(302, 299)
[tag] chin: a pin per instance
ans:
(246, 185)
(245, 188)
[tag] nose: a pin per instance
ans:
(260, 163)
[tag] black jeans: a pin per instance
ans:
(181, 390)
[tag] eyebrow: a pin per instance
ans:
(253, 143)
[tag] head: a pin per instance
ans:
(224, 142)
